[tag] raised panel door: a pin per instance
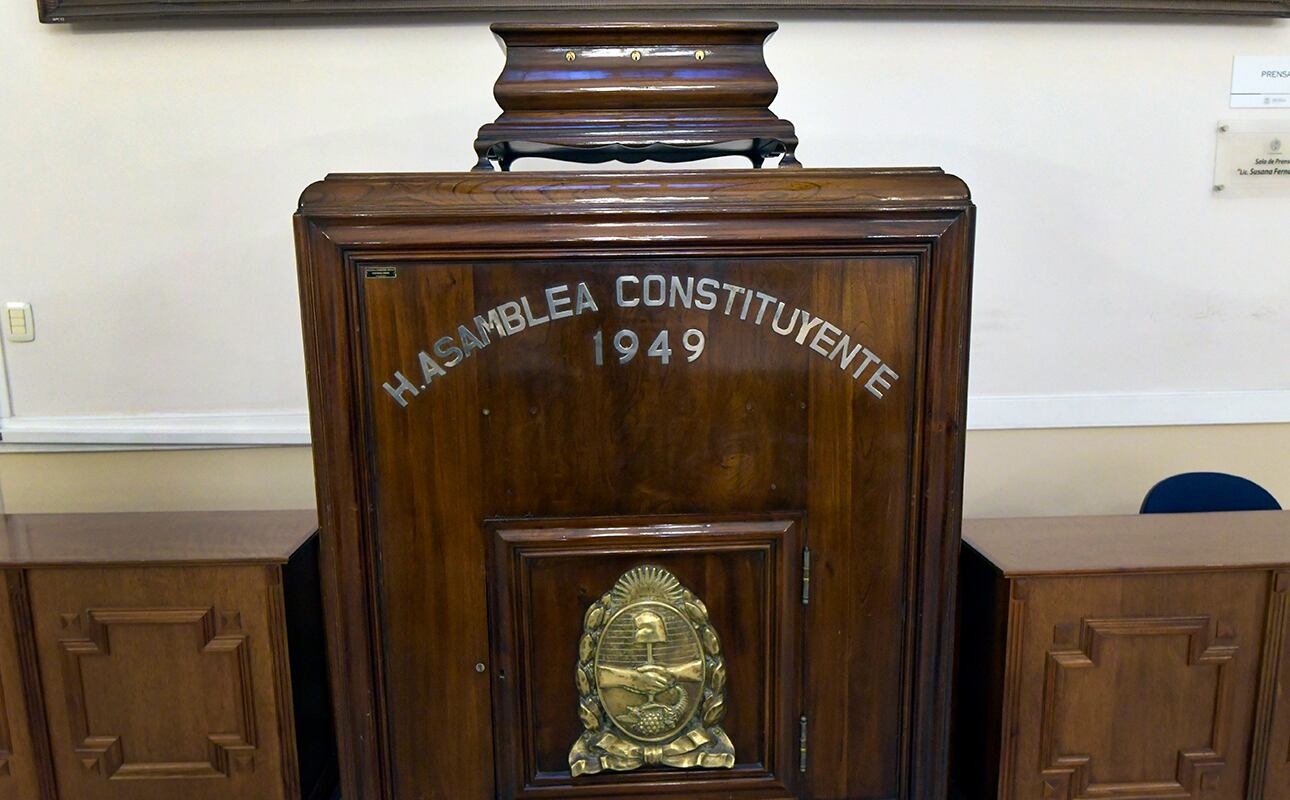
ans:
(1133, 687)
(159, 682)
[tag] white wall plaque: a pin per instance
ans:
(1261, 82)
(1253, 159)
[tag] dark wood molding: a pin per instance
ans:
(1265, 759)
(277, 621)
(33, 691)
(109, 10)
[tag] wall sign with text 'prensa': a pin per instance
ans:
(1253, 159)
(1261, 82)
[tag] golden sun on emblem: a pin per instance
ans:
(651, 679)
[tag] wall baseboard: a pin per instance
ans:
(1129, 410)
(231, 429)
(222, 429)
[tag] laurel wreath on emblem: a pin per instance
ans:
(696, 741)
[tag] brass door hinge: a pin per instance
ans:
(806, 576)
(801, 754)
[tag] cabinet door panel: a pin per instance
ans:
(159, 682)
(708, 388)
(1137, 686)
(553, 585)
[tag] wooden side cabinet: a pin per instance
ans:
(1125, 658)
(163, 655)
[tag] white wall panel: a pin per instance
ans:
(150, 175)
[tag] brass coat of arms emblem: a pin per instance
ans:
(651, 680)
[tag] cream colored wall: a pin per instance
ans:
(1107, 470)
(1008, 473)
(151, 170)
(157, 480)
(1108, 275)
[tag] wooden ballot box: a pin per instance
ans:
(639, 484)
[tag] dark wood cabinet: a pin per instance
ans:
(155, 656)
(1125, 657)
(638, 484)
(526, 388)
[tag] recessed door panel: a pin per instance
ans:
(581, 595)
(158, 682)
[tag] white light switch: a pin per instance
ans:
(19, 326)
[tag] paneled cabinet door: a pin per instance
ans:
(1133, 687)
(159, 682)
(724, 599)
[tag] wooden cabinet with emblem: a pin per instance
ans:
(1125, 658)
(638, 484)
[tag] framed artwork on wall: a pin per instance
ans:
(108, 10)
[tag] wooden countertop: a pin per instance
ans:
(190, 537)
(1140, 542)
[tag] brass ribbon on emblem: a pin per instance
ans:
(683, 752)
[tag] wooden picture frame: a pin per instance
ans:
(114, 10)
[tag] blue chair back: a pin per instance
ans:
(1207, 491)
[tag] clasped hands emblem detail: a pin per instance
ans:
(651, 680)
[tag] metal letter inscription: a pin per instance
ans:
(651, 680)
